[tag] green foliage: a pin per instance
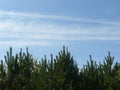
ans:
(23, 72)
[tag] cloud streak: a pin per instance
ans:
(23, 29)
(55, 17)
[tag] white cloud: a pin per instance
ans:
(15, 15)
(24, 43)
(24, 29)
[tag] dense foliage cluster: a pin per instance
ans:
(23, 72)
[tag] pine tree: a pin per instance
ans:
(66, 65)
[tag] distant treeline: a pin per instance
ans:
(23, 72)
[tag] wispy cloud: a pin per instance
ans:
(55, 17)
(35, 29)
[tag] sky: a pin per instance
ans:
(86, 27)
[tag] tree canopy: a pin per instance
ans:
(23, 72)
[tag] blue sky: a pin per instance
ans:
(84, 26)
